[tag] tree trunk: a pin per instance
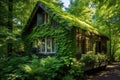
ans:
(110, 44)
(10, 23)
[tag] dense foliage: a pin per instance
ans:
(63, 38)
(103, 15)
(63, 32)
(50, 68)
(92, 60)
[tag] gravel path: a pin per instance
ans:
(112, 72)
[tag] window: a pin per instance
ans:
(39, 19)
(89, 46)
(42, 18)
(47, 46)
(78, 40)
(98, 46)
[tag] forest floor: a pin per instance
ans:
(112, 72)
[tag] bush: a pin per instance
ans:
(72, 67)
(44, 69)
(92, 60)
(100, 58)
(88, 59)
(51, 68)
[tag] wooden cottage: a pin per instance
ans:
(51, 31)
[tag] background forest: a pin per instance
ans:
(101, 14)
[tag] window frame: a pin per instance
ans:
(42, 18)
(52, 51)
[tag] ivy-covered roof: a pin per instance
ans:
(63, 18)
(66, 18)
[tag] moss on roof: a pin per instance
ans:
(66, 18)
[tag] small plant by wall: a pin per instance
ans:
(92, 60)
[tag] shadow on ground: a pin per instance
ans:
(112, 72)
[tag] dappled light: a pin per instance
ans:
(45, 40)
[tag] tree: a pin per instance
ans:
(10, 22)
(3, 14)
(7, 23)
(81, 9)
(57, 3)
(107, 16)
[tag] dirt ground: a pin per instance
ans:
(112, 72)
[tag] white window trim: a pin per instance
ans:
(45, 52)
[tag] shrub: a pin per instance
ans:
(72, 67)
(101, 57)
(88, 59)
(92, 60)
(52, 68)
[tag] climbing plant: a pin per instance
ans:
(63, 32)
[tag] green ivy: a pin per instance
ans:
(63, 33)
(65, 39)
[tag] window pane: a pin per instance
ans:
(44, 18)
(43, 45)
(39, 19)
(49, 45)
(53, 45)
